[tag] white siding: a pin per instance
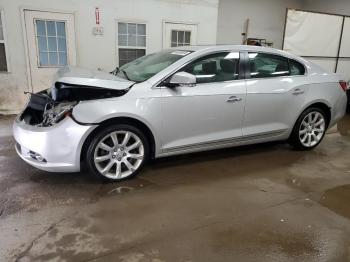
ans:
(267, 19)
(97, 51)
(341, 7)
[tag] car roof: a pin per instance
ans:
(219, 47)
(213, 48)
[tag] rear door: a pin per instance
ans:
(275, 93)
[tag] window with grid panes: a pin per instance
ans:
(131, 41)
(51, 43)
(180, 38)
(3, 62)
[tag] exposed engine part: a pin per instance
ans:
(33, 114)
(68, 92)
(48, 107)
(53, 113)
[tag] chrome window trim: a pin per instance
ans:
(243, 58)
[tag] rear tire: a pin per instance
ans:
(117, 152)
(309, 129)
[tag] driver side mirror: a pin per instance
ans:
(181, 79)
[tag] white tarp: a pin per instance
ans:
(326, 63)
(344, 68)
(312, 34)
(315, 34)
(345, 43)
(344, 63)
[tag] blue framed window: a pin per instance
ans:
(51, 42)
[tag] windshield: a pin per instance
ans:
(147, 66)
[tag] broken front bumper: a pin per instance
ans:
(56, 148)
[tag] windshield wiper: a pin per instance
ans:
(125, 74)
(115, 71)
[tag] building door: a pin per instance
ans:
(51, 45)
(177, 34)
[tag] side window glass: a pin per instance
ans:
(215, 68)
(296, 68)
(267, 65)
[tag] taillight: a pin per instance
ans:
(343, 85)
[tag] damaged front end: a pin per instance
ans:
(50, 106)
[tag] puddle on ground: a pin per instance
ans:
(112, 189)
(337, 199)
(297, 245)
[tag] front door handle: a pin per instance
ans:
(298, 91)
(233, 99)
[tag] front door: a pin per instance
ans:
(51, 45)
(209, 113)
(178, 34)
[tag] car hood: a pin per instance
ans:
(89, 78)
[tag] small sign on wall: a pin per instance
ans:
(97, 15)
(97, 30)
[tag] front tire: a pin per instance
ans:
(309, 129)
(117, 152)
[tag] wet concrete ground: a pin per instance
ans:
(255, 203)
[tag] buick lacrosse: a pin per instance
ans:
(173, 102)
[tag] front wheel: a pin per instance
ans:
(117, 152)
(309, 129)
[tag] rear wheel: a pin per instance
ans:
(117, 152)
(309, 129)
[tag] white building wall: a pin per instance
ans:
(267, 19)
(341, 7)
(97, 51)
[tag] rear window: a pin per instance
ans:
(267, 65)
(296, 68)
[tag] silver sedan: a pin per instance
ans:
(173, 102)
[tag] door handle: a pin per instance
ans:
(298, 91)
(233, 99)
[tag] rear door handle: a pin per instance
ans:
(298, 91)
(233, 99)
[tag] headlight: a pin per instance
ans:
(56, 113)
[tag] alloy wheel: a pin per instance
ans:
(312, 129)
(119, 154)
